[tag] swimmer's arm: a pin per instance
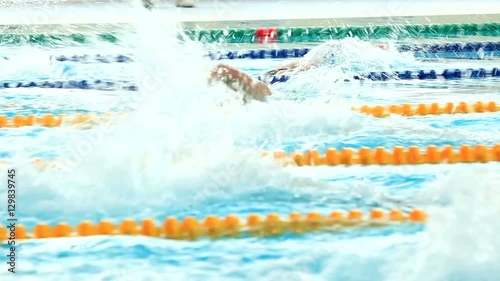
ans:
(317, 55)
(240, 81)
(292, 66)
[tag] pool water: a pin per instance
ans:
(204, 159)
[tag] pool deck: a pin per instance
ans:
(42, 15)
(252, 13)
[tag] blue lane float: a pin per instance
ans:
(448, 74)
(111, 85)
(471, 50)
(95, 58)
(98, 58)
(102, 85)
(463, 55)
(486, 48)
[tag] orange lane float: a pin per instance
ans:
(380, 111)
(398, 155)
(428, 109)
(50, 120)
(214, 227)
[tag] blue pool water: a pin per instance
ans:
(205, 161)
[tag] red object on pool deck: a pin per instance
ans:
(266, 35)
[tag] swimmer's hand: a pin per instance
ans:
(290, 68)
(239, 81)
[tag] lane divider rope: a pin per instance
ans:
(103, 85)
(489, 49)
(94, 58)
(412, 155)
(423, 109)
(51, 40)
(461, 55)
(298, 53)
(214, 227)
(448, 74)
(51, 120)
(272, 34)
(85, 58)
(109, 85)
(398, 155)
(324, 33)
(457, 50)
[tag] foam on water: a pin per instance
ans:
(460, 242)
(23, 63)
(173, 123)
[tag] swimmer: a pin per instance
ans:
(253, 89)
